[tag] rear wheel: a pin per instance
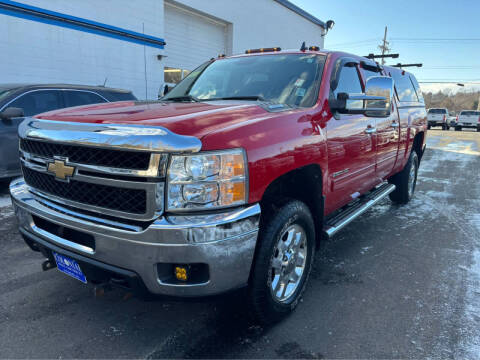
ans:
(405, 181)
(429, 126)
(283, 261)
(458, 128)
(478, 129)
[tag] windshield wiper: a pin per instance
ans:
(247, 97)
(183, 98)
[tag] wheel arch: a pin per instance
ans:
(417, 144)
(303, 184)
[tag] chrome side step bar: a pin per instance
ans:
(346, 216)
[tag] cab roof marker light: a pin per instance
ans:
(261, 50)
(313, 48)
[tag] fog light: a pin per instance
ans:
(181, 273)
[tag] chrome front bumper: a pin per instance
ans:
(225, 242)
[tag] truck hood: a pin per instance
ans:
(194, 119)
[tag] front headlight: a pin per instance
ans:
(207, 181)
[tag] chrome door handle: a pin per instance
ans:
(394, 124)
(370, 130)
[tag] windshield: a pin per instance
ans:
(437, 111)
(290, 79)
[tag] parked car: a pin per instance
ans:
(231, 180)
(438, 117)
(468, 119)
(18, 100)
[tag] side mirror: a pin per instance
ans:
(11, 112)
(380, 87)
(166, 89)
(375, 102)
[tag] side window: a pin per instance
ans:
(77, 98)
(38, 102)
(349, 82)
(368, 74)
(405, 90)
(417, 89)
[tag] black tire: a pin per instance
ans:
(478, 129)
(402, 194)
(458, 128)
(444, 127)
(429, 126)
(267, 309)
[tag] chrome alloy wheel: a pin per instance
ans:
(288, 263)
(411, 180)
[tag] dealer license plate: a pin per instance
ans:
(69, 266)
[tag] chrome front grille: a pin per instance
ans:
(114, 198)
(116, 171)
(111, 191)
(87, 155)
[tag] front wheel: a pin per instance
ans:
(283, 261)
(458, 128)
(405, 181)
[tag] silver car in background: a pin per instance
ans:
(468, 119)
(438, 117)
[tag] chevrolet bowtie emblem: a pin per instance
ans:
(60, 170)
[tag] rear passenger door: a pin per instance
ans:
(350, 143)
(80, 97)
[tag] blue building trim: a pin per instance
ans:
(301, 12)
(16, 9)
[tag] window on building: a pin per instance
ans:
(174, 75)
(37, 102)
(78, 98)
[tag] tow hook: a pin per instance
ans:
(48, 264)
(100, 289)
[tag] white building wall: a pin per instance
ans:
(35, 52)
(260, 23)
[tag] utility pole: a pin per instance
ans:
(384, 47)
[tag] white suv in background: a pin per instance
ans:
(438, 117)
(468, 119)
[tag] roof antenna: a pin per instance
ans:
(304, 47)
(105, 81)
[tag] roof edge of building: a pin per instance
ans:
(301, 12)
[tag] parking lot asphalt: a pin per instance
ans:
(399, 282)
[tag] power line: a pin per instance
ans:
(435, 39)
(366, 41)
(453, 67)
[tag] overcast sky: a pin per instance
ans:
(419, 30)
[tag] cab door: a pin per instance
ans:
(388, 136)
(351, 143)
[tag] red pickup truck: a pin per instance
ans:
(230, 180)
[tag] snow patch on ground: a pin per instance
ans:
(5, 201)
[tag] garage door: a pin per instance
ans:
(191, 40)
